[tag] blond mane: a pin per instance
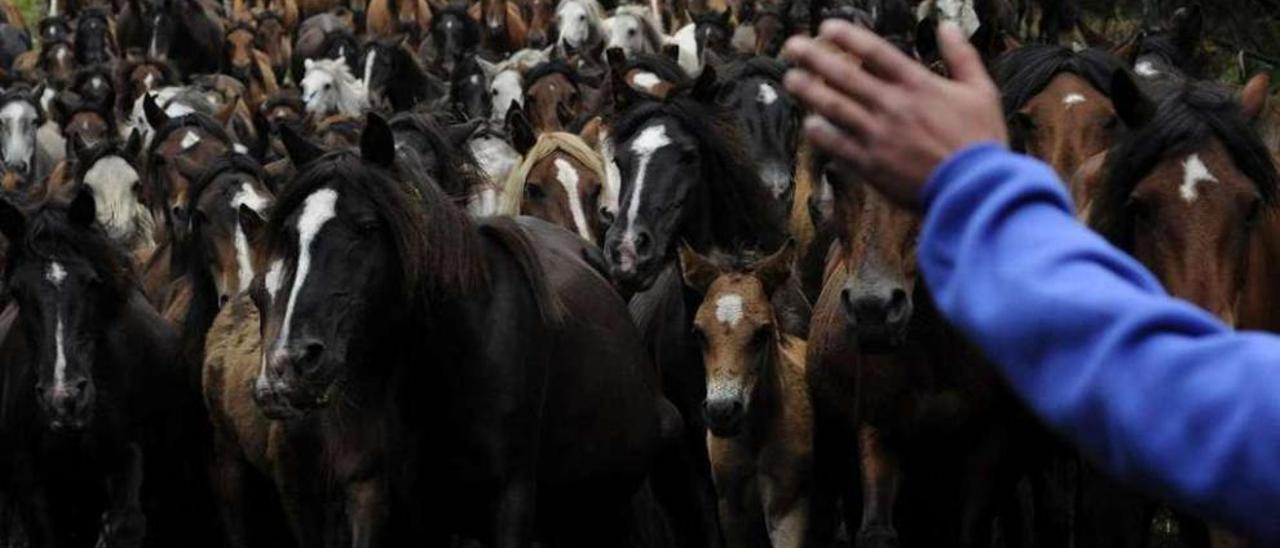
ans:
(548, 144)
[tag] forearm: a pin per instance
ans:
(1152, 388)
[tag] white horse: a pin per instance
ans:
(330, 88)
(633, 31)
(114, 181)
(581, 25)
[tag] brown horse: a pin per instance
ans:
(900, 392)
(58, 62)
(553, 96)
(82, 120)
(137, 74)
(251, 66)
(542, 24)
(559, 181)
(503, 28)
(273, 39)
(757, 407)
(390, 17)
(1058, 103)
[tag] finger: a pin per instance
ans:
(878, 55)
(838, 70)
(833, 141)
(822, 99)
(963, 61)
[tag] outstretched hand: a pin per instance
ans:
(885, 113)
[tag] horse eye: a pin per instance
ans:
(631, 32)
(533, 192)
(582, 17)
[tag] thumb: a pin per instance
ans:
(962, 59)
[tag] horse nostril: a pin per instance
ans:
(644, 245)
(178, 212)
(223, 300)
(898, 307)
(80, 386)
(311, 354)
(606, 216)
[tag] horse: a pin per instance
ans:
(559, 181)
(251, 66)
(96, 85)
(1058, 103)
(1173, 51)
(136, 75)
(770, 121)
(894, 389)
(14, 42)
(393, 75)
(20, 118)
(506, 86)
(503, 30)
(713, 32)
(553, 97)
(194, 24)
(454, 36)
(313, 37)
(414, 265)
(491, 146)
(57, 59)
(542, 31)
(757, 406)
(771, 28)
(272, 38)
(469, 94)
(581, 26)
(425, 149)
(84, 120)
(329, 88)
(94, 40)
(88, 368)
(631, 30)
(109, 168)
(55, 27)
(387, 18)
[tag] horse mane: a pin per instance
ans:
(439, 249)
(410, 83)
(738, 207)
(236, 24)
(665, 68)
(50, 235)
(753, 67)
(547, 68)
(195, 119)
(229, 162)
(1024, 72)
(548, 144)
(460, 172)
(1188, 114)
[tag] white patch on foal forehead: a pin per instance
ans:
(729, 309)
(1073, 99)
(1146, 69)
(56, 274)
(766, 95)
(646, 80)
(1194, 171)
(568, 177)
(62, 55)
(318, 209)
(645, 145)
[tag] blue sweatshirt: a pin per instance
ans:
(1151, 388)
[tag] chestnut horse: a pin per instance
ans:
(503, 28)
(387, 18)
(559, 181)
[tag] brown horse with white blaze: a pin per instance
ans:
(757, 407)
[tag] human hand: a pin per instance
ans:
(885, 113)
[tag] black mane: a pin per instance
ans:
(753, 67)
(1023, 73)
(547, 68)
(665, 68)
(460, 172)
(739, 207)
(50, 235)
(1187, 116)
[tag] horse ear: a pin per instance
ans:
(250, 221)
(82, 210)
(156, 117)
(522, 134)
(671, 51)
(377, 144)
(705, 87)
(133, 147)
(1253, 99)
(774, 270)
(13, 222)
(301, 151)
(1133, 106)
(1188, 26)
(590, 132)
(698, 271)
(78, 147)
(307, 64)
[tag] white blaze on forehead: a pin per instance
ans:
(1146, 69)
(766, 95)
(149, 81)
(248, 197)
(274, 278)
(729, 309)
(317, 210)
(646, 80)
(1194, 171)
(644, 146)
(1073, 99)
(17, 110)
(63, 54)
(568, 177)
(368, 67)
(56, 274)
(192, 138)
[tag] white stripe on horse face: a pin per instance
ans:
(317, 210)
(650, 140)
(766, 95)
(368, 67)
(1194, 171)
(1146, 69)
(56, 274)
(646, 80)
(248, 197)
(568, 177)
(192, 138)
(1072, 99)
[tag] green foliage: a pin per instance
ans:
(32, 11)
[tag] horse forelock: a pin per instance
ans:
(548, 143)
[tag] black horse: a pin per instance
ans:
(189, 32)
(395, 77)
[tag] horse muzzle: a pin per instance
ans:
(879, 316)
(724, 416)
(68, 406)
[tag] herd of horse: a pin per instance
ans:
(521, 272)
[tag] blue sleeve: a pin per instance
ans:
(1151, 388)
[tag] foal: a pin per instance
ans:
(757, 407)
